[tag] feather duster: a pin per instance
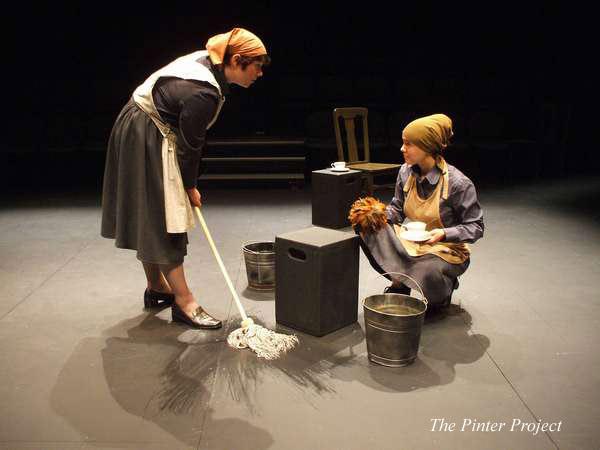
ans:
(369, 214)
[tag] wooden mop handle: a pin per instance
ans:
(221, 265)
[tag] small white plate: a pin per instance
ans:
(340, 170)
(415, 236)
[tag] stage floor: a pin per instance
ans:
(84, 366)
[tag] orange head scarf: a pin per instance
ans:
(238, 40)
(431, 134)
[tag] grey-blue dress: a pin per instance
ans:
(462, 217)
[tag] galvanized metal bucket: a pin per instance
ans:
(260, 265)
(393, 325)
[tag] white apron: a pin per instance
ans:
(178, 210)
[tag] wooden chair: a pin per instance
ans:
(368, 168)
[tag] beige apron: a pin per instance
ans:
(428, 211)
(179, 217)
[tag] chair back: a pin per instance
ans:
(348, 117)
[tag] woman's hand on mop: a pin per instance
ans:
(437, 235)
(195, 197)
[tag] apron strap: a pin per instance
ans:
(409, 183)
(443, 166)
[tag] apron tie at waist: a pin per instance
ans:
(171, 142)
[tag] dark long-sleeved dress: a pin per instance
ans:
(133, 205)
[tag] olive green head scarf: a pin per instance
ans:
(431, 133)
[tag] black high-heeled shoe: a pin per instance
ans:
(198, 319)
(154, 299)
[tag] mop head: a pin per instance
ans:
(265, 343)
(368, 214)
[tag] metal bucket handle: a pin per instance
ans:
(244, 249)
(411, 279)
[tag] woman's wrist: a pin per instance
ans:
(451, 234)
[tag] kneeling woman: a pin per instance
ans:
(427, 190)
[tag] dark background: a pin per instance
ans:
(512, 77)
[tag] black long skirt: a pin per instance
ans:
(133, 203)
(435, 276)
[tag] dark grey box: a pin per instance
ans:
(332, 195)
(317, 280)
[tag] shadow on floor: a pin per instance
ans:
(317, 365)
(445, 342)
(110, 387)
(149, 370)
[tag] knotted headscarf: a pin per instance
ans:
(239, 41)
(431, 133)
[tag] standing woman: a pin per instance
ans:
(153, 158)
(427, 190)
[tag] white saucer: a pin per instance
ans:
(340, 170)
(415, 236)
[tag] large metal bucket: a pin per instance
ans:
(260, 265)
(393, 325)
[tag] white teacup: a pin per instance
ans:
(415, 226)
(339, 165)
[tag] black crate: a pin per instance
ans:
(317, 280)
(332, 195)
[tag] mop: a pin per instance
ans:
(265, 343)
